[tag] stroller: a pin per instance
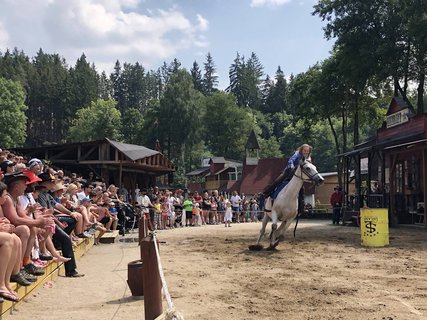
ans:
(178, 215)
(128, 217)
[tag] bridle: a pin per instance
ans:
(308, 174)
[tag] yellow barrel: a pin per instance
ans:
(374, 227)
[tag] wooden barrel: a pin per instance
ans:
(135, 278)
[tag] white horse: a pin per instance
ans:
(285, 205)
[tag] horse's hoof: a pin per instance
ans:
(255, 247)
(271, 248)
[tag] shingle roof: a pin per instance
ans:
(133, 151)
(252, 142)
(217, 160)
(197, 172)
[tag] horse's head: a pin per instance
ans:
(309, 172)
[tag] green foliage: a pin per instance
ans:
(133, 122)
(196, 74)
(269, 148)
(380, 46)
(317, 135)
(210, 79)
(245, 81)
(379, 38)
(227, 126)
(12, 114)
(275, 97)
(179, 114)
(98, 121)
(47, 99)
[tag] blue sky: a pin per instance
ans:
(280, 32)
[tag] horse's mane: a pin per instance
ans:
(308, 159)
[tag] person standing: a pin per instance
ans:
(336, 203)
(228, 214)
(145, 203)
(235, 205)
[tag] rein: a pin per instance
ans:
(310, 176)
(310, 179)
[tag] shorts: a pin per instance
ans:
(105, 220)
(188, 214)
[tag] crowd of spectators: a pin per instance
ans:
(43, 214)
(170, 209)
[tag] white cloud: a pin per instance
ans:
(4, 37)
(105, 30)
(203, 23)
(274, 3)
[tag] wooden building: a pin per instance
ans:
(396, 167)
(323, 192)
(113, 161)
(215, 176)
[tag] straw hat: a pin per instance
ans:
(58, 186)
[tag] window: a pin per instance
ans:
(414, 175)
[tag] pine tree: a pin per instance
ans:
(210, 79)
(276, 99)
(104, 87)
(196, 74)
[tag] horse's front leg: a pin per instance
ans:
(276, 234)
(265, 220)
(257, 246)
(274, 220)
(282, 229)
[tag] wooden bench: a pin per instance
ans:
(417, 217)
(52, 270)
(109, 237)
(351, 217)
(318, 213)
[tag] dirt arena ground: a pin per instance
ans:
(322, 274)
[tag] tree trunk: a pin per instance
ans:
(396, 86)
(356, 120)
(420, 100)
(337, 147)
(408, 54)
(344, 128)
(403, 94)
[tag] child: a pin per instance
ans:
(196, 215)
(165, 212)
(157, 214)
(228, 214)
(188, 207)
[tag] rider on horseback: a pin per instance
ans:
(303, 151)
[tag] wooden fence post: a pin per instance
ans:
(151, 280)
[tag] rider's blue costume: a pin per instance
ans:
(292, 163)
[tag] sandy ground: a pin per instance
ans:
(322, 274)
